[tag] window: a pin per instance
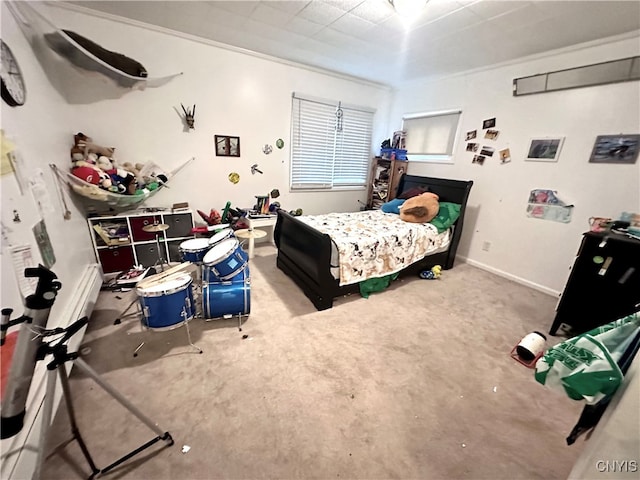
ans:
(430, 137)
(331, 144)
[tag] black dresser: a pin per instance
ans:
(604, 283)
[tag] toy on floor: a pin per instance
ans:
(432, 274)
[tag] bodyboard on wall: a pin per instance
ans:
(79, 69)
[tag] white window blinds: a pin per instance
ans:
(331, 144)
(431, 134)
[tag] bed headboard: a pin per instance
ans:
(454, 191)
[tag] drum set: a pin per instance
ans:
(221, 288)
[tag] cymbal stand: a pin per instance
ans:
(124, 313)
(60, 357)
(161, 260)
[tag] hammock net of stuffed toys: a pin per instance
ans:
(81, 70)
(97, 199)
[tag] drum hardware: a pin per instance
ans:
(250, 234)
(157, 229)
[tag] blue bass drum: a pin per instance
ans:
(228, 298)
(168, 303)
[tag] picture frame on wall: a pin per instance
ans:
(227, 146)
(615, 149)
(544, 149)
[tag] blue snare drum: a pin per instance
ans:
(224, 261)
(168, 303)
(221, 235)
(227, 298)
(194, 250)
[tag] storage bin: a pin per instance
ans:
(389, 153)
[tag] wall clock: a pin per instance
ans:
(13, 89)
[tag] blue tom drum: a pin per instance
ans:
(194, 250)
(224, 260)
(221, 235)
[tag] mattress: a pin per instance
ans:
(372, 243)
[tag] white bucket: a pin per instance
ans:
(531, 346)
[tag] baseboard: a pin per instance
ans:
(509, 276)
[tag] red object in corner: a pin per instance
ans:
(530, 364)
(6, 354)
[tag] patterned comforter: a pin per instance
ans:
(374, 244)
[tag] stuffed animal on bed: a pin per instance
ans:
(420, 209)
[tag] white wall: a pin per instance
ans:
(235, 94)
(41, 130)
(536, 252)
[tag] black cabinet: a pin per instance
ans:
(604, 284)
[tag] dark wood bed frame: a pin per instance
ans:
(304, 253)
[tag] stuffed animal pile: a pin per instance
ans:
(95, 165)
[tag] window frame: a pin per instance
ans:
(333, 147)
(435, 158)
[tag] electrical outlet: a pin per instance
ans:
(486, 246)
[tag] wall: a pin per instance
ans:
(40, 130)
(532, 251)
(235, 94)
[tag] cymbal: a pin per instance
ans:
(249, 233)
(156, 227)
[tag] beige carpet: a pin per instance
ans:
(414, 382)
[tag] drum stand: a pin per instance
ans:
(124, 313)
(161, 261)
(186, 325)
(57, 366)
(157, 229)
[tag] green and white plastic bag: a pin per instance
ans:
(585, 367)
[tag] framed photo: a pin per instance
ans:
(487, 151)
(615, 149)
(544, 149)
(489, 123)
(227, 146)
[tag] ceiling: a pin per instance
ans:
(368, 39)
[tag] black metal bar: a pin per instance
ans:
(166, 436)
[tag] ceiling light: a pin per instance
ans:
(408, 8)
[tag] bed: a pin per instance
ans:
(308, 256)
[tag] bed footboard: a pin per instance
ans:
(304, 254)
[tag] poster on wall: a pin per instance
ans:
(545, 204)
(505, 155)
(615, 149)
(44, 244)
(544, 149)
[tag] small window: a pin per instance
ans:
(430, 137)
(331, 144)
